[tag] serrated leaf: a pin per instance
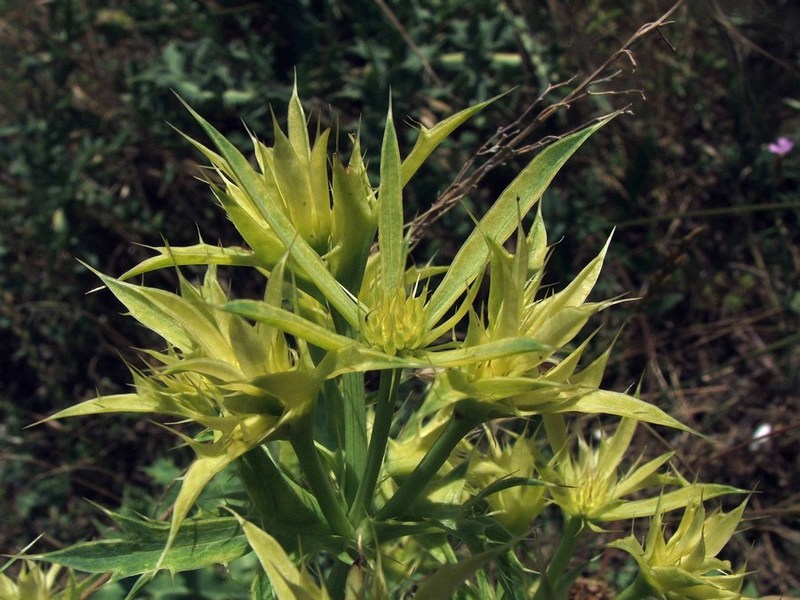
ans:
(199, 254)
(721, 528)
(616, 403)
(571, 297)
(199, 543)
(355, 221)
(180, 322)
(472, 354)
(288, 322)
(285, 508)
(135, 403)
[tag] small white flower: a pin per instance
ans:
(760, 436)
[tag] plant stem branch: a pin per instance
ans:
(558, 564)
(352, 411)
(387, 397)
(455, 430)
(319, 479)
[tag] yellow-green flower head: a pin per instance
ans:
(242, 383)
(396, 323)
(406, 451)
(33, 583)
(514, 311)
(686, 566)
(514, 507)
(298, 199)
(586, 489)
(514, 308)
(589, 485)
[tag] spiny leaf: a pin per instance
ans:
(199, 543)
(150, 403)
(179, 321)
(309, 261)
(616, 403)
(668, 501)
(444, 582)
(288, 583)
(429, 139)
(390, 212)
(470, 355)
(289, 322)
(199, 254)
(503, 217)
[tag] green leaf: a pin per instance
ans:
(502, 219)
(199, 543)
(536, 395)
(444, 582)
(429, 139)
(288, 322)
(571, 297)
(616, 403)
(358, 358)
(615, 448)
(482, 352)
(720, 527)
(390, 212)
(253, 228)
(298, 128)
(641, 476)
(199, 254)
(668, 501)
(288, 583)
(180, 322)
(291, 171)
(134, 403)
(199, 474)
(504, 484)
(354, 220)
(285, 508)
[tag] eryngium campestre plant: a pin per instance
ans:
(381, 490)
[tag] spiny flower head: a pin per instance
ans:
(686, 566)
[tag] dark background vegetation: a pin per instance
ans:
(706, 218)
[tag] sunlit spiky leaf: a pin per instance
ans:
(288, 582)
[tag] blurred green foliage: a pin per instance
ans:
(90, 165)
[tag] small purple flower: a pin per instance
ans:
(781, 147)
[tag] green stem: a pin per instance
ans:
(384, 411)
(352, 415)
(558, 564)
(459, 426)
(638, 589)
(337, 580)
(318, 479)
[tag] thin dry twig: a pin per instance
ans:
(507, 142)
(737, 35)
